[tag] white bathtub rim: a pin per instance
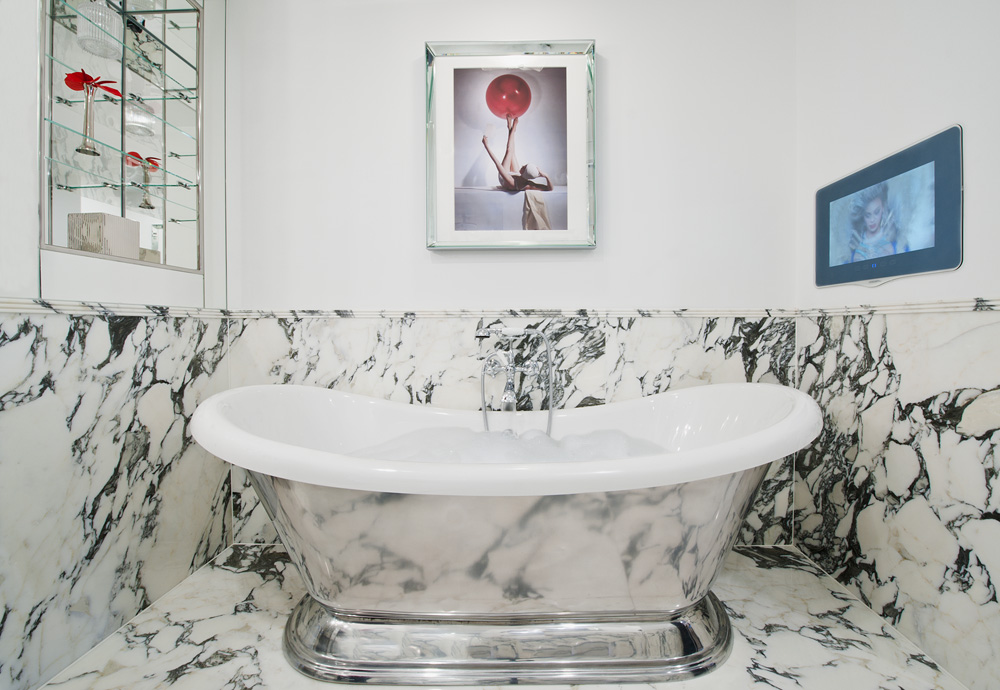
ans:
(226, 440)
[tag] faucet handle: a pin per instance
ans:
(495, 364)
(532, 367)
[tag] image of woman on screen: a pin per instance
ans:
(875, 230)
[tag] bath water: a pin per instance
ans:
(456, 445)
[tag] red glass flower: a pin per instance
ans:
(135, 159)
(79, 80)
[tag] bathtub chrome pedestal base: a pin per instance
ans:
(630, 647)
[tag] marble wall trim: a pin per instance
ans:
(943, 307)
(974, 304)
(40, 306)
(74, 308)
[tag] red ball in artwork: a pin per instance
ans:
(508, 94)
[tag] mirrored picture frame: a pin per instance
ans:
(510, 145)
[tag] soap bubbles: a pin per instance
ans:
(456, 445)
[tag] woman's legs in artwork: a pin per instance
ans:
(512, 177)
(510, 157)
(509, 164)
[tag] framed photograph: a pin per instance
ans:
(899, 216)
(510, 145)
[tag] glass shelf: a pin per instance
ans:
(114, 151)
(135, 57)
(69, 178)
(93, 185)
(66, 96)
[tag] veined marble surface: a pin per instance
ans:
(105, 501)
(899, 498)
(437, 361)
(794, 628)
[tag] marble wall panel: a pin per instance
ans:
(105, 501)
(437, 361)
(899, 498)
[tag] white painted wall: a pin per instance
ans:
(19, 182)
(875, 77)
(326, 183)
(717, 122)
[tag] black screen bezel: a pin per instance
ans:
(945, 151)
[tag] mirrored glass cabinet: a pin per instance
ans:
(121, 134)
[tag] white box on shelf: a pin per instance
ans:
(104, 233)
(150, 255)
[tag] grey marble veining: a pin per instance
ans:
(105, 501)
(794, 628)
(108, 504)
(437, 361)
(899, 498)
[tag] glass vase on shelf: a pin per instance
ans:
(81, 81)
(149, 165)
(87, 147)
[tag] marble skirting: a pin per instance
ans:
(794, 628)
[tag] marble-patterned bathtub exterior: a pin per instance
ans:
(437, 360)
(105, 502)
(899, 498)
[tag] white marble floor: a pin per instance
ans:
(221, 628)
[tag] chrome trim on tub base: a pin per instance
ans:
(630, 647)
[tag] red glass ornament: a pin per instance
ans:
(508, 94)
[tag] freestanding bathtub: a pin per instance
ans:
(516, 572)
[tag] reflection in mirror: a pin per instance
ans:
(122, 130)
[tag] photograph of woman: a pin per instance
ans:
(515, 177)
(510, 149)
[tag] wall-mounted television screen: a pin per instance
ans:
(900, 216)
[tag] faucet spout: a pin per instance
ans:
(508, 401)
